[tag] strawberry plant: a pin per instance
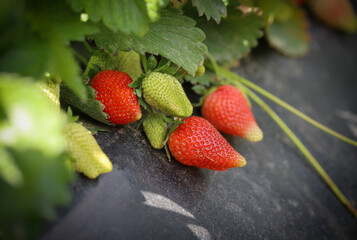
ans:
(123, 62)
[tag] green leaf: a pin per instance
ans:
(63, 64)
(28, 58)
(234, 36)
(163, 64)
(43, 47)
(46, 188)
(48, 18)
(152, 63)
(128, 62)
(137, 82)
(201, 84)
(170, 70)
(9, 171)
(31, 121)
(11, 22)
(173, 36)
(173, 127)
(128, 16)
(143, 103)
(34, 169)
(289, 35)
(268, 7)
(91, 107)
(206, 80)
(138, 92)
(199, 89)
(211, 8)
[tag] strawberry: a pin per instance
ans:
(82, 146)
(121, 104)
(338, 14)
(165, 93)
(196, 142)
(200, 71)
(227, 109)
(51, 90)
(155, 129)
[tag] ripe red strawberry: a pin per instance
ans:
(338, 14)
(227, 109)
(196, 142)
(121, 104)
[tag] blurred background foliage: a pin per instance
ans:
(36, 46)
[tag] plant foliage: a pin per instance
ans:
(37, 43)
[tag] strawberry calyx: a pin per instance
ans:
(164, 90)
(70, 116)
(92, 107)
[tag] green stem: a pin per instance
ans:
(214, 66)
(89, 48)
(218, 70)
(243, 90)
(233, 76)
(144, 62)
(304, 151)
(297, 112)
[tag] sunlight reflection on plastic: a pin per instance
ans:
(159, 201)
(200, 232)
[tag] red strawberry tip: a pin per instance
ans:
(241, 162)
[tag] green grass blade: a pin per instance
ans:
(296, 112)
(304, 151)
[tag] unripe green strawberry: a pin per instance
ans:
(227, 110)
(200, 71)
(90, 159)
(197, 143)
(165, 93)
(51, 90)
(155, 128)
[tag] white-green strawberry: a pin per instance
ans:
(155, 129)
(81, 145)
(52, 91)
(165, 93)
(90, 159)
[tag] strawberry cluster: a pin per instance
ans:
(196, 141)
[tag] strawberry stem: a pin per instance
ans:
(218, 71)
(230, 75)
(297, 112)
(304, 151)
(214, 66)
(167, 152)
